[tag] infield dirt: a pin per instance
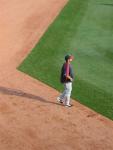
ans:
(30, 117)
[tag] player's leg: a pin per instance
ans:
(68, 94)
(61, 98)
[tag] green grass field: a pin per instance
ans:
(84, 29)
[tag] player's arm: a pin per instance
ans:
(67, 73)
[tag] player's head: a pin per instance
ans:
(69, 58)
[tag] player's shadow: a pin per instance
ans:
(9, 91)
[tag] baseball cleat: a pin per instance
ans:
(59, 100)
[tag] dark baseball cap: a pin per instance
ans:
(69, 57)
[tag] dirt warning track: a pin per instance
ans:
(30, 117)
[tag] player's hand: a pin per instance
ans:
(71, 79)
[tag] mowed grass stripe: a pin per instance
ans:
(85, 29)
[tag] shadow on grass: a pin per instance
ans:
(107, 4)
(9, 91)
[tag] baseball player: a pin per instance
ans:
(67, 79)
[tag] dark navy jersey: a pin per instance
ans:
(66, 70)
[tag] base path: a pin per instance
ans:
(30, 117)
